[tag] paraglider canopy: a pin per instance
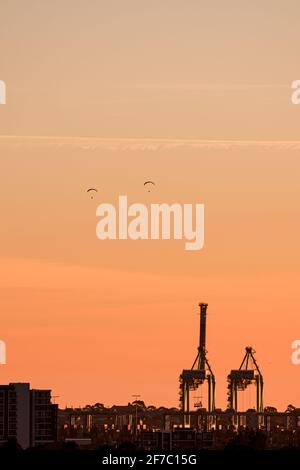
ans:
(149, 182)
(90, 190)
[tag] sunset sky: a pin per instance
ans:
(196, 97)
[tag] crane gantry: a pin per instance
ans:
(239, 379)
(201, 371)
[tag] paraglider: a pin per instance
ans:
(149, 183)
(90, 191)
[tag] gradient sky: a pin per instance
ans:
(110, 95)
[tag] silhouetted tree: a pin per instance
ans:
(270, 409)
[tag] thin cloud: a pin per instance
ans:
(210, 86)
(145, 144)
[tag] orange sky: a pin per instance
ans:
(126, 94)
(100, 320)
